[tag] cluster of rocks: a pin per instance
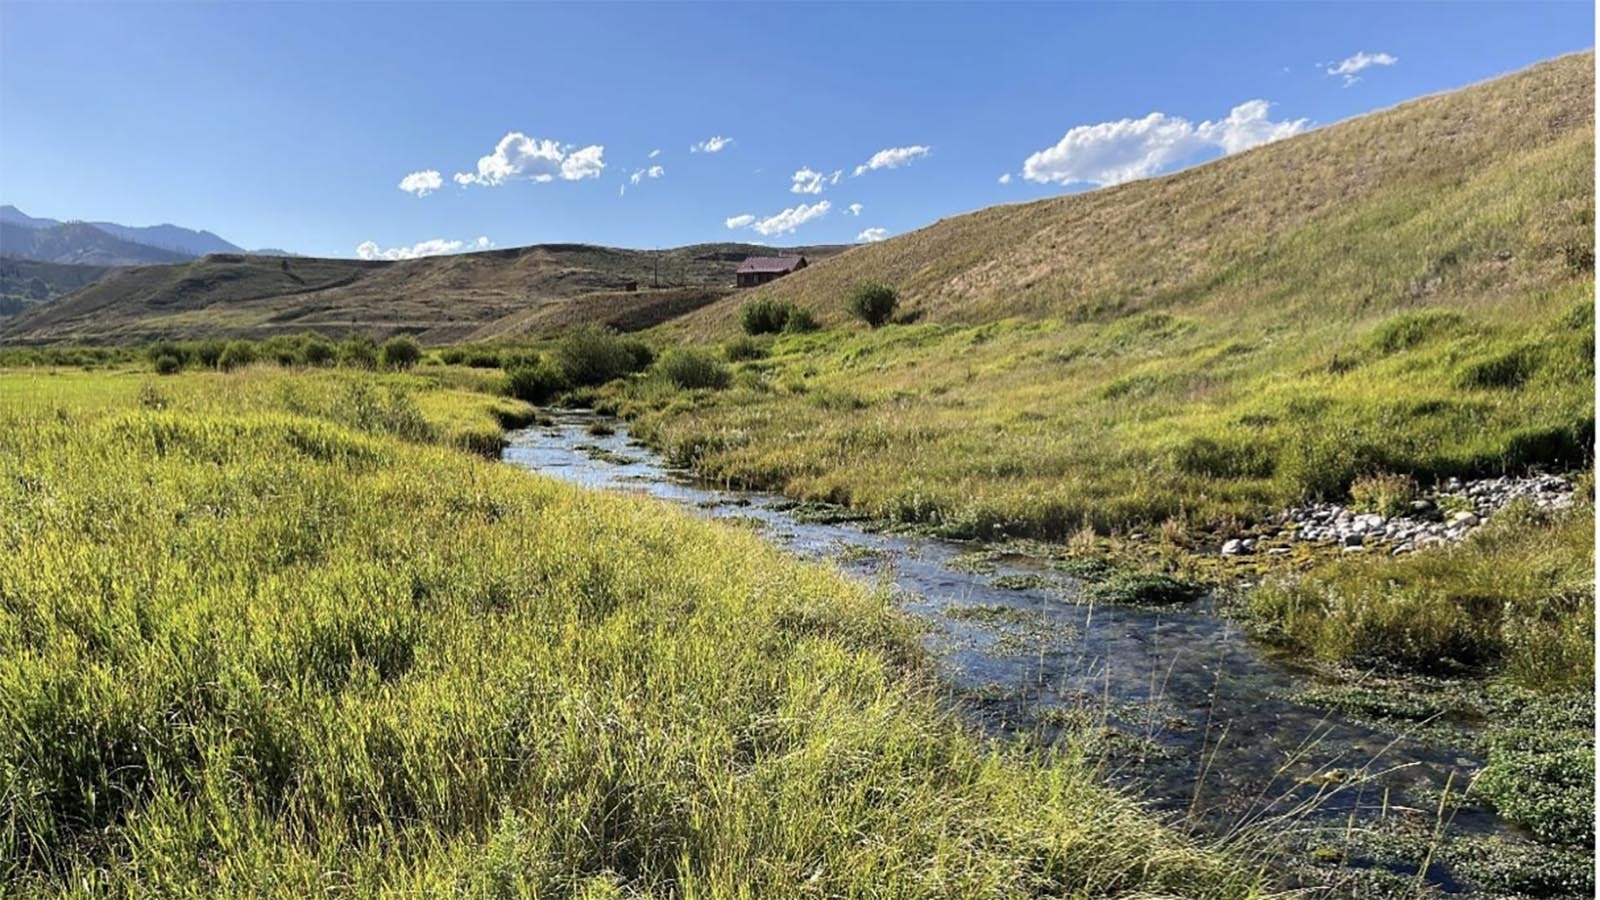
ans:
(1449, 513)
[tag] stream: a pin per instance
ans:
(1198, 720)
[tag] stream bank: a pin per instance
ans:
(1207, 726)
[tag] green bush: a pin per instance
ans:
(590, 356)
(358, 352)
(743, 348)
(873, 303)
(399, 353)
(235, 355)
(209, 353)
(535, 383)
(800, 321)
(168, 364)
(318, 351)
(764, 316)
(691, 369)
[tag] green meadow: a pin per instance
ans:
(276, 633)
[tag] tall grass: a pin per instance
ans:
(255, 646)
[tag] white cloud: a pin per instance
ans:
(1006, 178)
(892, 158)
(433, 247)
(1128, 149)
(783, 222)
(854, 209)
(422, 183)
(1350, 65)
(655, 153)
(872, 235)
(518, 156)
(807, 182)
(711, 144)
(641, 174)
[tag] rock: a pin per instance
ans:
(1465, 519)
(1402, 549)
(1234, 547)
(1277, 551)
(1421, 507)
(1351, 540)
(1354, 548)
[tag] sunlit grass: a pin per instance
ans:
(258, 638)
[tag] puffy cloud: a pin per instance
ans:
(518, 156)
(422, 183)
(641, 174)
(434, 247)
(1006, 178)
(892, 158)
(1128, 149)
(872, 235)
(854, 209)
(1350, 65)
(783, 222)
(711, 144)
(807, 182)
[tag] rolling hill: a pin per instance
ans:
(1384, 209)
(495, 294)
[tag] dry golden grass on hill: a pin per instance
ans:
(1228, 235)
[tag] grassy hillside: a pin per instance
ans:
(1462, 198)
(1409, 292)
(260, 637)
(440, 299)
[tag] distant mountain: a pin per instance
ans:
(186, 243)
(170, 237)
(80, 243)
(10, 215)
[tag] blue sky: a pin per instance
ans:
(294, 125)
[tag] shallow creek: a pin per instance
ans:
(1200, 720)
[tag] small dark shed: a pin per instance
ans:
(762, 269)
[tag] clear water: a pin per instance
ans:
(1205, 727)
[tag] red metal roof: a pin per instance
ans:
(755, 264)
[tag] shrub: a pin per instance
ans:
(800, 321)
(155, 352)
(209, 353)
(235, 355)
(1386, 495)
(358, 352)
(764, 316)
(317, 351)
(283, 350)
(167, 364)
(590, 356)
(535, 383)
(743, 348)
(691, 369)
(399, 353)
(452, 356)
(873, 303)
